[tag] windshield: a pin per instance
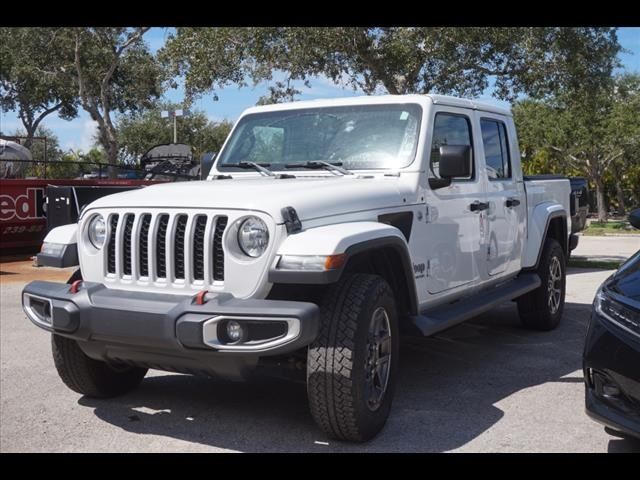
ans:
(356, 137)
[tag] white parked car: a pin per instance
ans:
(325, 229)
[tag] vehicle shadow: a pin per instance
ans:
(447, 393)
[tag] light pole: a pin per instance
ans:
(174, 114)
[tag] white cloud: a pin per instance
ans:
(85, 137)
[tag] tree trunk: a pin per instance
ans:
(600, 200)
(106, 137)
(30, 134)
(110, 145)
(622, 209)
(619, 192)
(112, 158)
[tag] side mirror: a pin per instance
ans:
(634, 218)
(455, 161)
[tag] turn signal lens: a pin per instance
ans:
(313, 263)
(334, 262)
(55, 249)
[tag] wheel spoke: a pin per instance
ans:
(554, 285)
(384, 361)
(377, 365)
(385, 344)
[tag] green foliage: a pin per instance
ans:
(105, 70)
(603, 228)
(135, 81)
(593, 133)
(535, 61)
(30, 83)
(58, 161)
(141, 130)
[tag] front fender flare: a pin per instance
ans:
(348, 238)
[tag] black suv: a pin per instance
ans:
(611, 359)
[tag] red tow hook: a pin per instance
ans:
(75, 286)
(200, 297)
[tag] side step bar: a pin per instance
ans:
(446, 316)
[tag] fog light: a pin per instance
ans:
(234, 331)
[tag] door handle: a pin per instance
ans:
(478, 206)
(512, 202)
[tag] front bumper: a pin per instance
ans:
(612, 376)
(170, 332)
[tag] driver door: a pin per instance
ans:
(453, 231)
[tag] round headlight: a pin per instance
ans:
(97, 231)
(253, 236)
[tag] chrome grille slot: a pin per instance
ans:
(218, 252)
(143, 242)
(179, 250)
(126, 241)
(198, 247)
(161, 243)
(111, 247)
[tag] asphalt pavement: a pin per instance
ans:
(485, 386)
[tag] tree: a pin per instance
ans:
(139, 131)
(29, 81)
(113, 71)
(589, 132)
(536, 61)
(53, 154)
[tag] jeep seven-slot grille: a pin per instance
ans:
(188, 241)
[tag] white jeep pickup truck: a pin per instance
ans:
(323, 231)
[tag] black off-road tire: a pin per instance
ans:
(535, 308)
(87, 376)
(90, 377)
(336, 361)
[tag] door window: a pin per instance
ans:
(450, 129)
(496, 149)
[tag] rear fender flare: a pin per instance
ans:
(538, 227)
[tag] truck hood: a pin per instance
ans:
(312, 197)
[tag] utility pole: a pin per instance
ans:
(175, 114)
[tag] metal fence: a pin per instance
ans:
(38, 169)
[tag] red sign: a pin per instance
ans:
(23, 208)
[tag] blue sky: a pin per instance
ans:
(78, 134)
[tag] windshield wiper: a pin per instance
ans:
(259, 167)
(316, 164)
